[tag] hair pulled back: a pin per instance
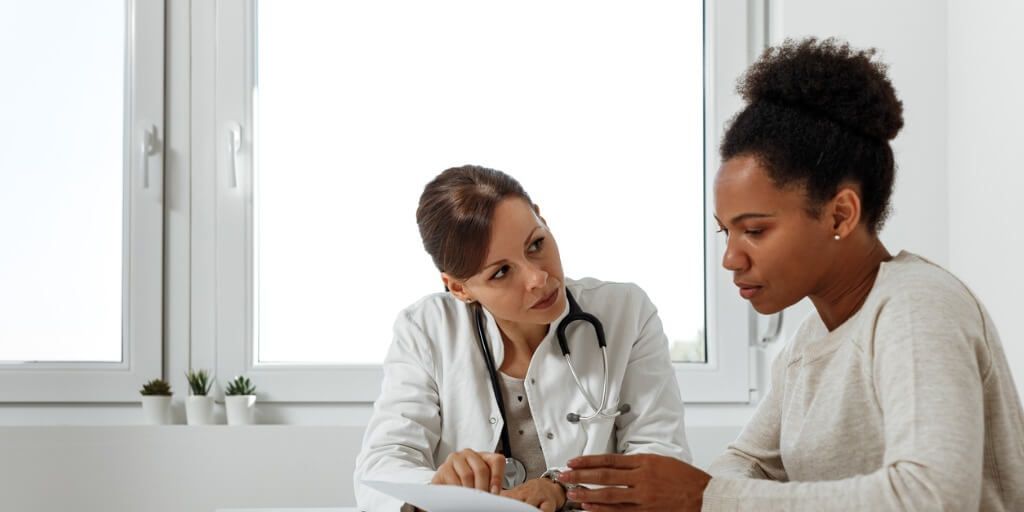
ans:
(455, 213)
(820, 114)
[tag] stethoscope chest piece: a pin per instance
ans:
(515, 473)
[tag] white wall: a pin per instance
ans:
(175, 468)
(911, 38)
(986, 171)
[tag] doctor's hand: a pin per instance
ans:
(539, 492)
(641, 482)
(468, 468)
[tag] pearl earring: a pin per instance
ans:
(836, 237)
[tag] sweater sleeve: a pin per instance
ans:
(924, 363)
(755, 454)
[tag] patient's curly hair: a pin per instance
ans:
(820, 114)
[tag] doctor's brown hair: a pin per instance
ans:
(455, 213)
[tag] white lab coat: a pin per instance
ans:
(436, 396)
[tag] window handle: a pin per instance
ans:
(773, 330)
(234, 147)
(147, 148)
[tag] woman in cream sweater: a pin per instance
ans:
(896, 394)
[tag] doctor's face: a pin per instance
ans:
(776, 251)
(522, 278)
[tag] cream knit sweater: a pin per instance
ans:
(908, 405)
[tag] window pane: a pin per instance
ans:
(61, 167)
(596, 107)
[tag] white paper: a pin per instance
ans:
(448, 498)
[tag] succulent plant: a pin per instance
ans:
(240, 386)
(199, 382)
(156, 387)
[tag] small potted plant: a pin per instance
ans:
(156, 402)
(239, 400)
(199, 406)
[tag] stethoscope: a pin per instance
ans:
(515, 471)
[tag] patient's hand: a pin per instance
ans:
(636, 482)
(539, 492)
(476, 470)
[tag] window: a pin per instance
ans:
(330, 117)
(390, 93)
(81, 206)
(297, 113)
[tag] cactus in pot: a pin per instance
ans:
(199, 406)
(156, 402)
(156, 387)
(239, 386)
(199, 382)
(239, 400)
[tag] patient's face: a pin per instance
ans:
(776, 251)
(522, 281)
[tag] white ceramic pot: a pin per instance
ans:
(239, 409)
(199, 410)
(156, 409)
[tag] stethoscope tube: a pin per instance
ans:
(573, 417)
(493, 372)
(515, 471)
(576, 314)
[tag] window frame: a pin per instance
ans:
(142, 250)
(223, 250)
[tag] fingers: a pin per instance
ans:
(481, 471)
(604, 496)
(542, 502)
(468, 468)
(496, 462)
(463, 470)
(608, 460)
(445, 475)
(601, 476)
(596, 507)
(540, 493)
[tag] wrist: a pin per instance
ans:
(552, 475)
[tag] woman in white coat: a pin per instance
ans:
(438, 418)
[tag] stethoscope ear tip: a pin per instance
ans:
(573, 417)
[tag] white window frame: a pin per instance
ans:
(730, 45)
(222, 244)
(142, 272)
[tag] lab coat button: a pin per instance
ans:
(494, 420)
(550, 435)
(533, 381)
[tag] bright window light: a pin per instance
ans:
(596, 107)
(61, 170)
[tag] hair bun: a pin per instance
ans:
(827, 79)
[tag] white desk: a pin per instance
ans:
(344, 509)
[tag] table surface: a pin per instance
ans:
(343, 509)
